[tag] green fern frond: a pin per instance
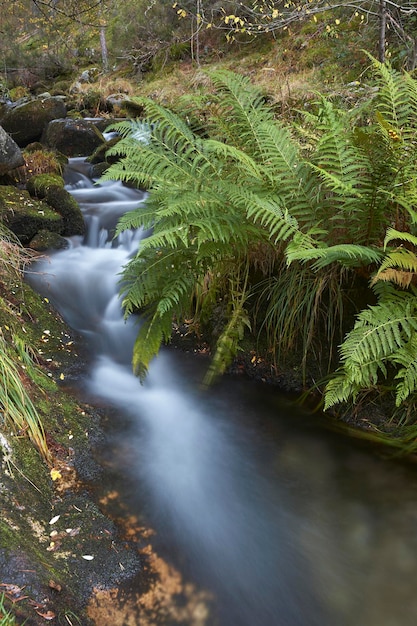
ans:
(400, 258)
(279, 225)
(393, 100)
(243, 108)
(393, 235)
(382, 335)
(152, 333)
(407, 375)
(349, 255)
(228, 343)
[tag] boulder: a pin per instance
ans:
(10, 154)
(26, 122)
(45, 240)
(73, 137)
(39, 184)
(62, 201)
(26, 216)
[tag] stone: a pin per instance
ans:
(25, 216)
(10, 153)
(45, 240)
(73, 137)
(63, 202)
(26, 122)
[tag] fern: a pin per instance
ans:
(348, 255)
(254, 211)
(381, 337)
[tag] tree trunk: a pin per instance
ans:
(103, 45)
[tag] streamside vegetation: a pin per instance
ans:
(302, 231)
(17, 411)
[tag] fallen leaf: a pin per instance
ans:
(48, 615)
(87, 557)
(12, 589)
(61, 376)
(54, 585)
(54, 519)
(55, 475)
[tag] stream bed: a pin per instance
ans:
(265, 517)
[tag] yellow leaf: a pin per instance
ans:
(61, 376)
(55, 474)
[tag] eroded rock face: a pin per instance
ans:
(73, 137)
(10, 153)
(26, 122)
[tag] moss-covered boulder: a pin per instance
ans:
(61, 200)
(45, 240)
(73, 137)
(26, 216)
(26, 122)
(39, 185)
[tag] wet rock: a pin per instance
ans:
(10, 154)
(73, 137)
(45, 240)
(26, 122)
(26, 216)
(61, 200)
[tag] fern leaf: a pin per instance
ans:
(227, 344)
(152, 333)
(383, 334)
(407, 375)
(393, 234)
(349, 255)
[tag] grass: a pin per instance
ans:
(6, 617)
(17, 410)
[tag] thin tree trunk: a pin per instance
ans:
(382, 29)
(104, 53)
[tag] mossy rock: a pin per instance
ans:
(39, 185)
(26, 122)
(73, 137)
(26, 216)
(61, 200)
(98, 169)
(45, 240)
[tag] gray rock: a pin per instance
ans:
(79, 137)
(10, 153)
(26, 122)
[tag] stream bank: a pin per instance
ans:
(50, 526)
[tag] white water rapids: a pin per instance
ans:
(284, 524)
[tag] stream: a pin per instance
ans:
(267, 518)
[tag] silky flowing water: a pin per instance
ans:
(260, 516)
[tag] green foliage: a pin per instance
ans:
(17, 410)
(382, 342)
(6, 617)
(277, 223)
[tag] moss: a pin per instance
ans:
(45, 240)
(26, 216)
(39, 185)
(65, 204)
